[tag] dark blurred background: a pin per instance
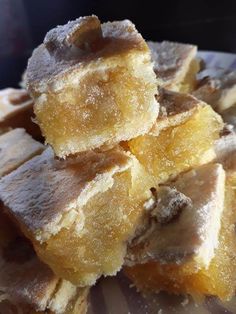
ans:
(23, 24)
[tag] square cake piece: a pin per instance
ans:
(79, 213)
(184, 220)
(216, 274)
(181, 139)
(175, 65)
(93, 84)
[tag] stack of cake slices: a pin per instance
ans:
(117, 154)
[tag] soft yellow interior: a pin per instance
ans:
(106, 106)
(110, 219)
(179, 148)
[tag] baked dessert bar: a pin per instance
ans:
(184, 221)
(93, 84)
(217, 88)
(16, 111)
(26, 284)
(182, 147)
(16, 147)
(175, 65)
(217, 274)
(79, 213)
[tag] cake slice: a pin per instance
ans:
(93, 84)
(198, 265)
(26, 284)
(184, 221)
(16, 111)
(170, 149)
(79, 213)
(217, 87)
(175, 65)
